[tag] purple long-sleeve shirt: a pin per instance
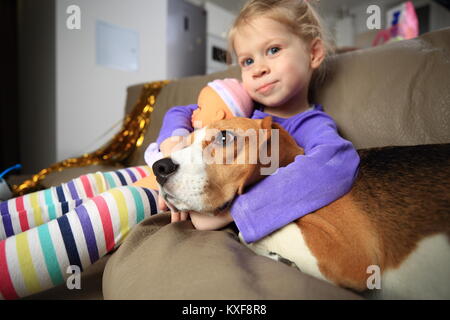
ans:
(322, 175)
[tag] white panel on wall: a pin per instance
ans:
(116, 47)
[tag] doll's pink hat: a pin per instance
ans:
(233, 93)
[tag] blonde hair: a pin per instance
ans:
(299, 16)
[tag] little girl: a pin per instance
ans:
(279, 44)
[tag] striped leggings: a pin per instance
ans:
(45, 234)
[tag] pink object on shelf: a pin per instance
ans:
(404, 25)
(408, 27)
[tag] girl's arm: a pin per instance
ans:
(176, 122)
(325, 173)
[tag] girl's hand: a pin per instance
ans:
(205, 222)
(174, 216)
(178, 216)
(172, 144)
(162, 205)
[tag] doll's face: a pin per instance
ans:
(210, 108)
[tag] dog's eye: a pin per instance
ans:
(224, 137)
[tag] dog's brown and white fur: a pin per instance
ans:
(396, 217)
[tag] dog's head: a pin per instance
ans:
(219, 161)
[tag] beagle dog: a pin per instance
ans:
(389, 237)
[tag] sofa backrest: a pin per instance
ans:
(394, 94)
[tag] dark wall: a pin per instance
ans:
(9, 107)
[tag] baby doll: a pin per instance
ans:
(220, 99)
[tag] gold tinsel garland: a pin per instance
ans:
(117, 150)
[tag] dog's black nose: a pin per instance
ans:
(163, 169)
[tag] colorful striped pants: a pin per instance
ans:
(47, 234)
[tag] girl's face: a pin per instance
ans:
(276, 65)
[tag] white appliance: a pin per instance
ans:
(186, 39)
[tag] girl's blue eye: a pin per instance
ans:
(273, 50)
(247, 62)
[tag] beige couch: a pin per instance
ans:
(396, 94)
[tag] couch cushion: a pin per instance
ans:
(160, 260)
(394, 94)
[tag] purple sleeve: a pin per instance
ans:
(177, 121)
(325, 173)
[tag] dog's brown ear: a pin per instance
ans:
(251, 175)
(247, 179)
(241, 188)
(266, 123)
